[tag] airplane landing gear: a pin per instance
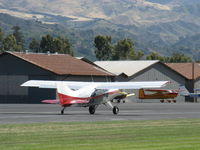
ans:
(92, 109)
(115, 110)
(62, 111)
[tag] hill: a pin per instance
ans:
(165, 26)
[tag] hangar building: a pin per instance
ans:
(191, 72)
(16, 68)
(144, 71)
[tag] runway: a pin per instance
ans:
(39, 113)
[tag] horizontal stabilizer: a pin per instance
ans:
(78, 102)
(51, 101)
(131, 94)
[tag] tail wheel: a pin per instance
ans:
(115, 110)
(62, 111)
(92, 109)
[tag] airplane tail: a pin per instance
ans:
(63, 89)
(141, 93)
(68, 96)
(183, 91)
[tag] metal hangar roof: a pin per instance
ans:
(128, 68)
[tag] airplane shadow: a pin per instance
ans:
(69, 114)
(98, 114)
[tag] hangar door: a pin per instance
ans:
(10, 89)
(36, 95)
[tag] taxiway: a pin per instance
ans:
(39, 113)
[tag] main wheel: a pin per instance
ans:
(115, 110)
(92, 109)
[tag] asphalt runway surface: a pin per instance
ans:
(40, 113)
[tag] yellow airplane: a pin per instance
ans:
(158, 94)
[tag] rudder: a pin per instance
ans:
(141, 93)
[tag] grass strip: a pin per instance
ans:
(181, 134)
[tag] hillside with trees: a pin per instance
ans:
(47, 44)
(104, 49)
(164, 27)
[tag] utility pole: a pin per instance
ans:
(193, 82)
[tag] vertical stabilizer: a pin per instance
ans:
(69, 96)
(141, 93)
(64, 89)
(65, 94)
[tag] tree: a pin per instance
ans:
(154, 56)
(139, 55)
(10, 44)
(46, 44)
(67, 47)
(124, 49)
(136, 55)
(34, 45)
(175, 58)
(179, 57)
(58, 44)
(1, 39)
(18, 36)
(62, 45)
(103, 47)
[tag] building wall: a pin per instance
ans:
(159, 72)
(197, 87)
(15, 71)
(189, 87)
(197, 84)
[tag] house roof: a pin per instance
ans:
(128, 68)
(186, 69)
(61, 64)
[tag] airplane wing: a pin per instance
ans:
(162, 90)
(98, 85)
(156, 90)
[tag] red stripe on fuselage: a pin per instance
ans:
(66, 99)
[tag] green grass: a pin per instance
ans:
(111, 135)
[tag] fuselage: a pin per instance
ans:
(160, 96)
(97, 97)
(157, 94)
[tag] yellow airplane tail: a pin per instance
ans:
(141, 93)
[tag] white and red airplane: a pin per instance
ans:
(91, 94)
